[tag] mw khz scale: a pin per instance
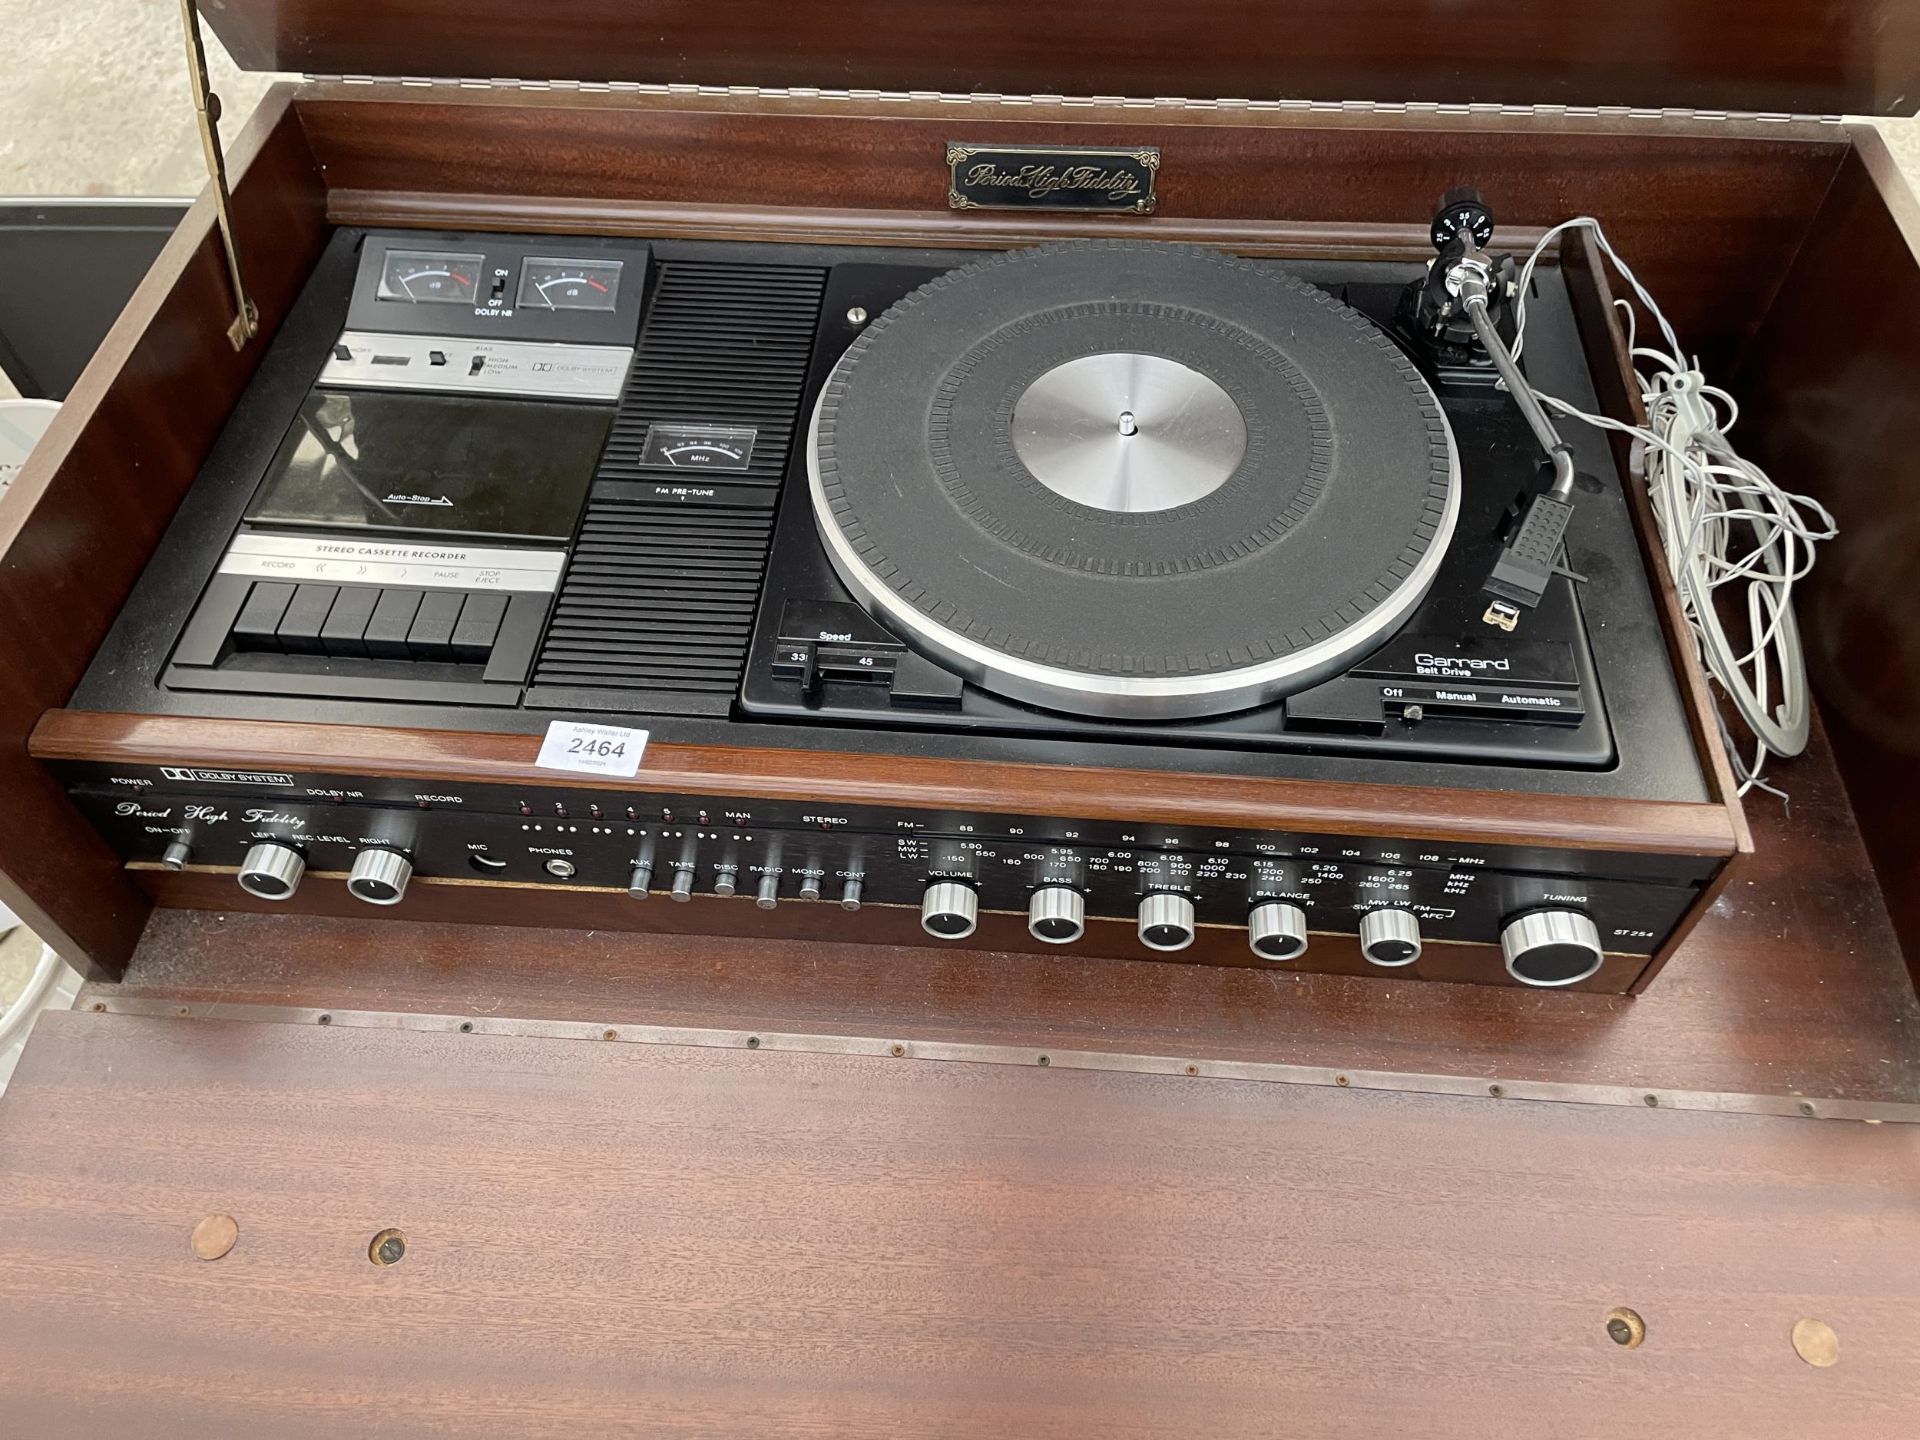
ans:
(1556, 912)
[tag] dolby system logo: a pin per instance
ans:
(226, 777)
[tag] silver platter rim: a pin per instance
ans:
(1125, 697)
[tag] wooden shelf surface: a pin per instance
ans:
(655, 1239)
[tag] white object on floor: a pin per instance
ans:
(53, 987)
(22, 423)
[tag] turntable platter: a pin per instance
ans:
(1132, 480)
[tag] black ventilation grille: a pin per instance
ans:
(727, 344)
(656, 611)
(658, 597)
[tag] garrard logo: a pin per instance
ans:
(1460, 662)
(226, 777)
(439, 500)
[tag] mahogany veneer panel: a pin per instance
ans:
(1813, 56)
(1711, 218)
(648, 1239)
(837, 777)
(1830, 392)
(80, 522)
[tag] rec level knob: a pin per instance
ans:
(1390, 937)
(272, 871)
(1166, 921)
(1277, 931)
(949, 909)
(1551, 947)
(379, 877)
(1057, 914)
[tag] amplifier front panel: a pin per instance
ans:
(658, 848)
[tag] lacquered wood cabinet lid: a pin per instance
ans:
(1814, 57)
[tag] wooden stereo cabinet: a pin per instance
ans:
(1778, 242)
(744, 1177)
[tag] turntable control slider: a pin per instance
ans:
(823, 642)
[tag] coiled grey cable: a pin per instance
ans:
(1704, 496)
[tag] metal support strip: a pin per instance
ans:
(101, 999)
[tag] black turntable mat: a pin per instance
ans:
(1126, 478)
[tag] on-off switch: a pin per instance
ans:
(640, 880)
(724, 878)
(850, 893)
(682, 889)
(768, 894)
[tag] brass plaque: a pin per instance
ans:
(1038, 177)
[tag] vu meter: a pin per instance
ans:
(570, 284)
(699, 447)
(431, 276)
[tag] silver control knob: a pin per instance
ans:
(178, 853)
(1551, 947)
(640, 880)
(809, 887)
(1277, 930)
(850, 893)
(1057, 915)
(1390, 937)
(682, 890)
(724, 878)
(949, 909)
(1166, 921)
(769, 893)
(272, 871)
(379, 877)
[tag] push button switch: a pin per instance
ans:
(918, 681)
(258, 625)
(299, 629)
(345, 632)
(479, 623)
(431, 637)
(386, 634)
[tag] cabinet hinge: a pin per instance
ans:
(1128, 102)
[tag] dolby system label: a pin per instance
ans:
(1023, 177)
